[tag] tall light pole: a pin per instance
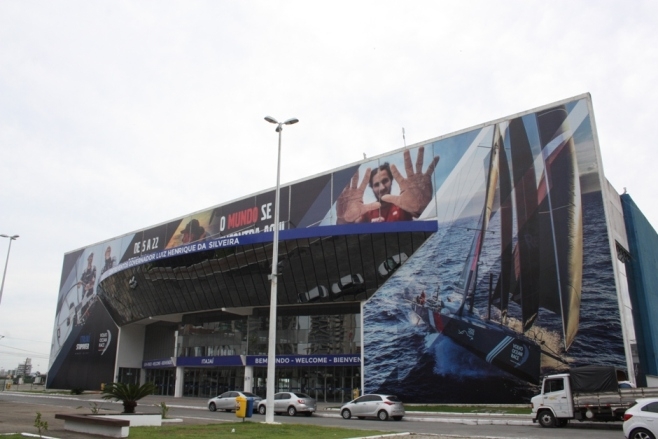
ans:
(2, 286)
(271, 347)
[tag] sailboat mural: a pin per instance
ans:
(537, 198)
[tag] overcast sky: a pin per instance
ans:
(116, 116)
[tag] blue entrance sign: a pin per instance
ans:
(226, 360)
(306, 360)
(156, 364)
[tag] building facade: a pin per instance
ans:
(456, 270)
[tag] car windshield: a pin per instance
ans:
(303, 395)
(393, 398)
(249, 395)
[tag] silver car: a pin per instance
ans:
(319, 292)
(374, 406)
(352, 283)
(226, 401)
(291, 403)
(391, 264)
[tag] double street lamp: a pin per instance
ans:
(11, 238)
(271, 349)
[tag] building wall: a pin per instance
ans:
(643, 283)
(515, 241)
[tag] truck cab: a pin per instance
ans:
(553, 407)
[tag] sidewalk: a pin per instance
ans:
(325, 409)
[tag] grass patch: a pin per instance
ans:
(248, 430)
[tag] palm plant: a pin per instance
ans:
(129, 394)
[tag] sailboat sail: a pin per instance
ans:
(526, 255)
(561, 222)
(505, 280)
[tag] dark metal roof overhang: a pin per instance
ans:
(234, 273)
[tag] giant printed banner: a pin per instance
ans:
(365, 198)
(518, 280)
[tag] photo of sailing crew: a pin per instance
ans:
(415, 192)
(495, 298)
(109, 260)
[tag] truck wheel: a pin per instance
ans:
(641, 433)
(546, 419)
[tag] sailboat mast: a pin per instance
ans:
(469, 275)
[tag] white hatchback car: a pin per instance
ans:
(374, 406)
(641, 420)
(291, 403)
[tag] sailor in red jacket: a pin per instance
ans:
(415, 193)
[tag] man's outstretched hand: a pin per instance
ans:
(350, 207)
(416, 189)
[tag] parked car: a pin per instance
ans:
(391, 264)
(374, 406)
(226, 401)
(316, 293)
(350, 284)
(641, 420)
(291, 403)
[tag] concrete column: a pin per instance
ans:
(180, 380)
(248, 378)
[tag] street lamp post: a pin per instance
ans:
(2, 286)
(271, 348)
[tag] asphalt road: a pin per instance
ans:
(18, 411)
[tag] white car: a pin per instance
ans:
(291, 403)
(391, 264)
(227, 401)
(641, 420)
(319, 292)
(352, 283)
(381, 407)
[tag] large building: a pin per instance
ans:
(456, 270)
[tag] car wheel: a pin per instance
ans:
(212, 407)
(546, 419)
(382, 415)
(397, 418)
(641, 433)
(261, 409)
(292, 411)
(346, 414)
